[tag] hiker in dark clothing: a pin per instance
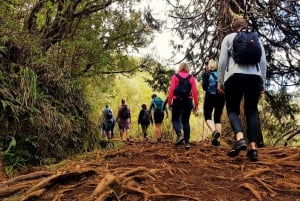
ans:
(213, 102)
(238, 81)
(124, 120)
(182, 106)
(107, 122)
(144, 119)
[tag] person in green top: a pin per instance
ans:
(159, 110)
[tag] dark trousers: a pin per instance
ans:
(181, 112)
(213, 103)
(236, 87)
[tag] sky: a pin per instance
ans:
(160, 48)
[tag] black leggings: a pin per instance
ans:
(213, 102)
(236, 87)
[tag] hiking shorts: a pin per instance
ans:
(158, 117)
(124, 124)
(108, 125)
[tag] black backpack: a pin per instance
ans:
(108, 114)
(145, 117)
(184, 88)
(246, 48)
(124, 113)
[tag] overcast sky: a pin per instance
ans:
(160, 48)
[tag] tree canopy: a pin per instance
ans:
(205, 23)
(46, 48)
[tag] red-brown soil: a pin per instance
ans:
(149, 171)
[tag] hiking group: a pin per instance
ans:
(240, 73)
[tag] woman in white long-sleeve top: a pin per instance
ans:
(237, 80)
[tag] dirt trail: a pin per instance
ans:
(149, 171)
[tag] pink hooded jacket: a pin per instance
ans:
(175, 82)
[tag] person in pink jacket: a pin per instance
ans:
(182, 99)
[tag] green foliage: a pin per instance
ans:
(50, 54)
(13, 159)
(278, 116)
(160, 75)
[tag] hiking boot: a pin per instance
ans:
(252, 154)
(179, 140)
(159, 140)
(187, 146)
(215, 138)
(237, 147)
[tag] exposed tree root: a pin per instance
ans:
(26, 177)
(153, 175)
(43, 185)
(251, 187)
(148, 196)
(287, 185)
(257, 172)
(267, 187)
(103, 185)
(9, 190)
(61, 193)
(294, 157)
(34, 194)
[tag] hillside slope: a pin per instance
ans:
(150, 171)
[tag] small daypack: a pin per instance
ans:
(213, 82)
(158, 104)
(124, 113)
(246, 48)
(184, 88)
(108, 114)
(145, 117)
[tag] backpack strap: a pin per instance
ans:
(178, 76)
(214, 76)
(181, 78)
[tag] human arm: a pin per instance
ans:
(171, 90)
(151, 106)
(140, 117)
(165, 108)
(194, 93)
(223, 63)
(263, 66)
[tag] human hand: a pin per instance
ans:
(220, 90)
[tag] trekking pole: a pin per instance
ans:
(202, 130)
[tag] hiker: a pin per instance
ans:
(107, 122)
(159, 110)
(213, 102)
(237, 80)
(182, 99)
(124, 120)
(144, 120)
(113, 126)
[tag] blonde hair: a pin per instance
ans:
(239, 24)
(183, 67)
(211, 65)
